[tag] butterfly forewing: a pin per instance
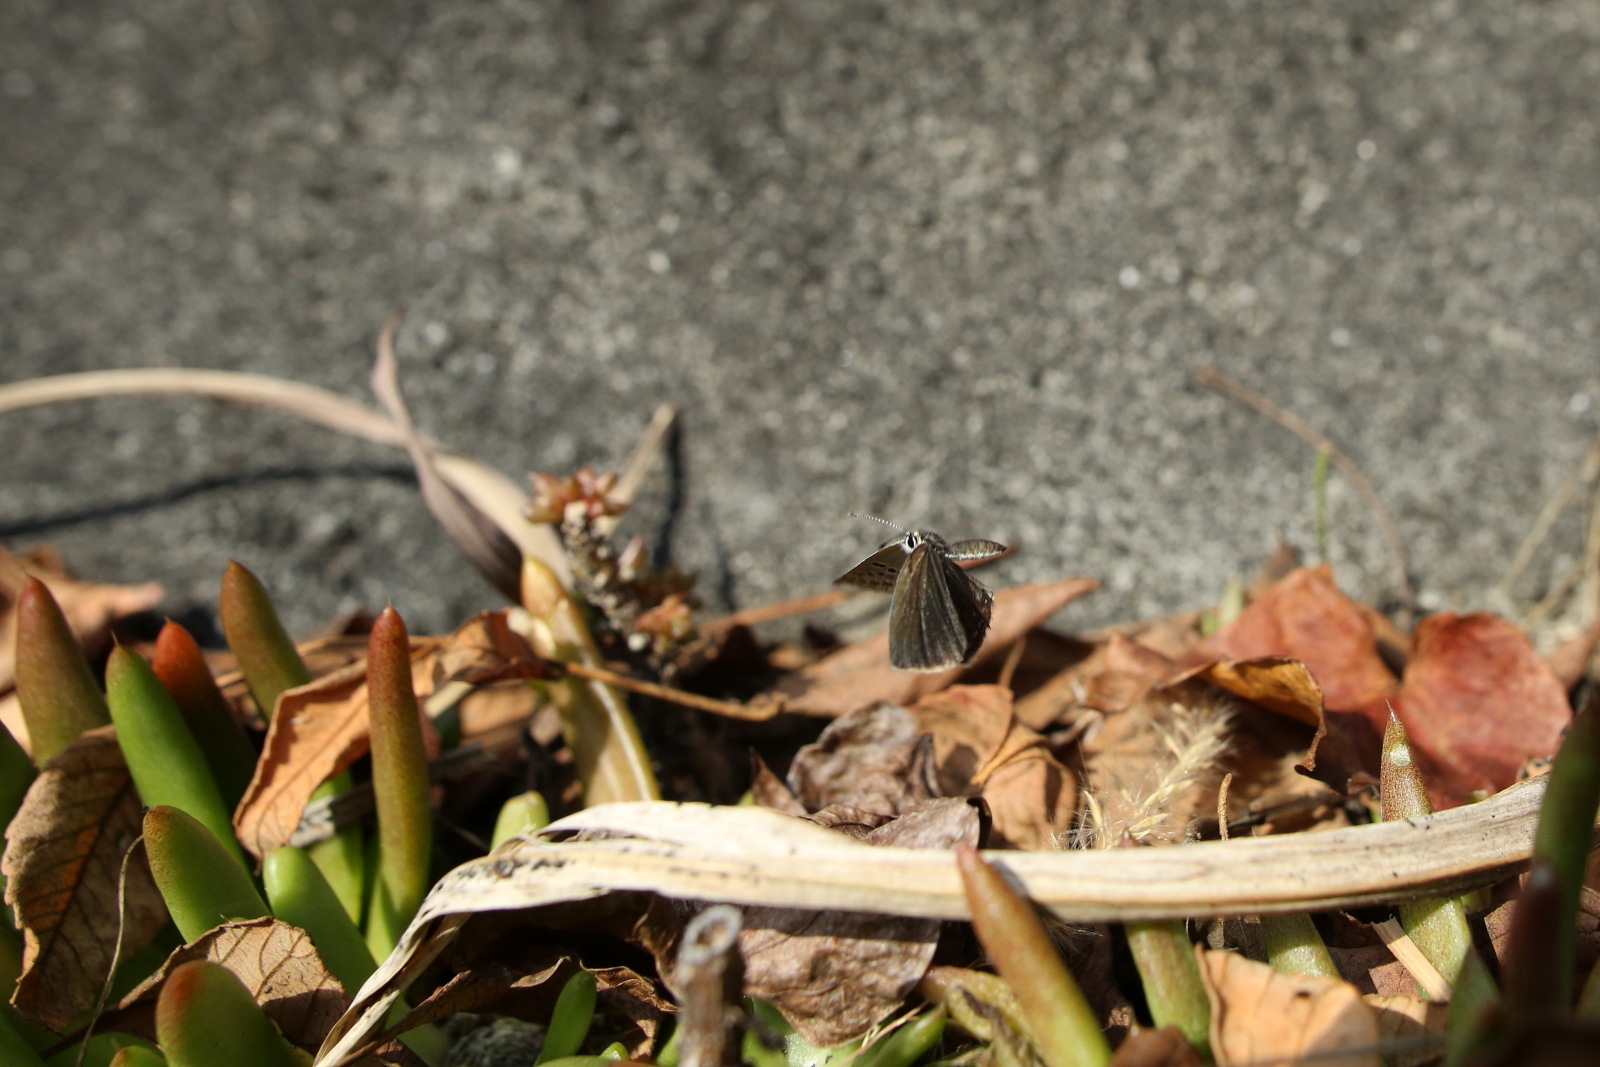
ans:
(877, 573)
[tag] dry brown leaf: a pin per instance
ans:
(860, 675)
(1306, 617)
(1411, 1030)
(1109, 679)
(863, 759)
(63, 862)
(981, 749)
(836, 974)
(276, 962)
(317, 731)
(1151, 1047)
(1259, 1015)
(1477, 702)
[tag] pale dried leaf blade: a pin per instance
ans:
(63, 862)
(486, 546)
(488, 489)
(747, 855)
(1260, 1015)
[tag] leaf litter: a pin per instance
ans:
(1090, 766)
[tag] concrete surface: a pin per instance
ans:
(953, 264)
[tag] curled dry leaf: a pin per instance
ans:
(63, 863)
(1477, 702)
(980, 749)
(864, 760)
(860, 675)
(317, 731)
(1259, 1015)
(1306, 617)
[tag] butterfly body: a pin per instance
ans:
(938, 613)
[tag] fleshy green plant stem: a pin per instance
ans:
(271, 665)
(301, 896)
(200, 882)
(399, 785)
(267, 657)
(606, 748)
(1172, 987)
(571, 1019)
(1294, 946)
(908, 1044)
(522, 814)
(1438, 926)
(1054, 1013)
(138, 1056)
(56, 690)
(13, 1049)
(205, 1018)
(182, 669)
(163, 757)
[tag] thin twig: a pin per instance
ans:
(781, 610)
(1585, 474)
(751, 713)
(639, 463)
(1222, 805)
(1215, 379)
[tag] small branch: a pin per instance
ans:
(1215, 379)
(752, 713)
(707, 970)
(781, 610)
(1585, 474)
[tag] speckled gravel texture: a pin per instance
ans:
(955, 264)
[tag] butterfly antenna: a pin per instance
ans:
(874, 518)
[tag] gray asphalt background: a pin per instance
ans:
(952, 263)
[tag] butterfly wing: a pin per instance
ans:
(877, 573)
(938, 616)
(978, 549)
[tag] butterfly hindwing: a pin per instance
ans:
(938, 616)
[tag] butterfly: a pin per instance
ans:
(938, 613)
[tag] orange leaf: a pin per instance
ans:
(1477, 701)
(62, 863)
(1306, 617)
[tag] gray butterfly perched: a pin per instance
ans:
(938, 613)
